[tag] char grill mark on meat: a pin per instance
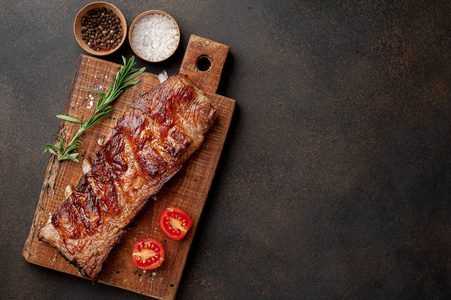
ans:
(146, 148)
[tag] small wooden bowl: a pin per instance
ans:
(151, 12)
(78, 27)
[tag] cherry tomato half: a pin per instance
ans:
(148, 254)
(174, 222)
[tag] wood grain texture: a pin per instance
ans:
(214, 52)
(188, 190)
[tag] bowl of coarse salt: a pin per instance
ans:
(154, 36)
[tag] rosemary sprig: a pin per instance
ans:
(122, 81)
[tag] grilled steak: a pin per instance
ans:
(147, 147)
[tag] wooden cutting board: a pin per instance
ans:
(188, 190)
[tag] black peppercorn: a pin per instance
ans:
(98, 30)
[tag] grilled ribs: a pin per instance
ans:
(147, 147)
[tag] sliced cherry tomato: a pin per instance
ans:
(148, 254)
(174, 222)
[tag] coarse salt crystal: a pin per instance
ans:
(155, 37)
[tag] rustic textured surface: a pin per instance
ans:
(336, 174)
(188, 189)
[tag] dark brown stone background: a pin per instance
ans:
(335, 179)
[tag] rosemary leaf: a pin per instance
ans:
(73, 147)
(101, 116)
(51, 146)
(50, 150)
(69, 118)
(94, 91)
(61, 143)
(121, 82)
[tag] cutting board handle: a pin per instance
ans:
(203, 63)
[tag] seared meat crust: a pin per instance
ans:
(147, 147)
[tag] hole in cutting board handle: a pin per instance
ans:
(203, 63)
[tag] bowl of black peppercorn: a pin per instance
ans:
(100, 28)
